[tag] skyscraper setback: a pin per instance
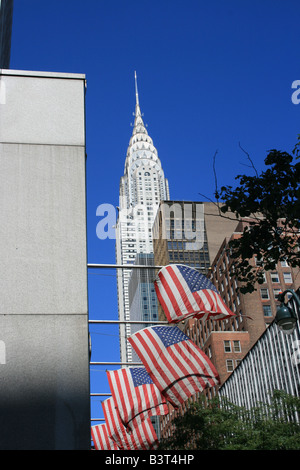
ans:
(142, 187)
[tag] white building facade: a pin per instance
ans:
(273, 363)
(142, 187)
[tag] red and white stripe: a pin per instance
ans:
(135, 404)
(179, 371)
(142, 437)
(178, 302)
(101, 439)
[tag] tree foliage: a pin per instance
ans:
(220, 425)
(269, 202)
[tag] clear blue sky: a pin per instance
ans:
(211, 74)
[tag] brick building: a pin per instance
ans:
(227, 342)
(256, 310)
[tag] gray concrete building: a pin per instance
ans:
(44, 353)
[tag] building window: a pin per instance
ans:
(276, 292)
(287, 278)
(267, 310)
(264, 292)
(258, 262)
(237, 346)
(229, 365)
(274, 277)
(284, 264)
(227, 346)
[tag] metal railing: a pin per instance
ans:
(145, 322)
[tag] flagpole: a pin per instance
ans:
(119, 266)
(116, 363)
(148, 322)
(123, 266)
(129, 266)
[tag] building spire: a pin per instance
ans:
(137, 104)
(139, 125)
(136, 90)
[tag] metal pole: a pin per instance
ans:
(128, 266)
(123, 266)
(116, 363)
(130, 321)
(120, 266)
(100, 394)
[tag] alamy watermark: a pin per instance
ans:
(296, 353)
(178, 222)
(296, 94)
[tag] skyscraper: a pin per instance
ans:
(190, 233)
(143, 301)
(6, 17)
(142, 187)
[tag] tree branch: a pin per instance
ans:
(250, 160)
(215, 175)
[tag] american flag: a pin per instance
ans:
(142, 437)
(183, 292)
(135, 395)
(174, 362)
(101, 439)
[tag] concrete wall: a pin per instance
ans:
(44, 363)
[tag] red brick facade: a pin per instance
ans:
(227, 342)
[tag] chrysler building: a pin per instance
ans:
(142, 187)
